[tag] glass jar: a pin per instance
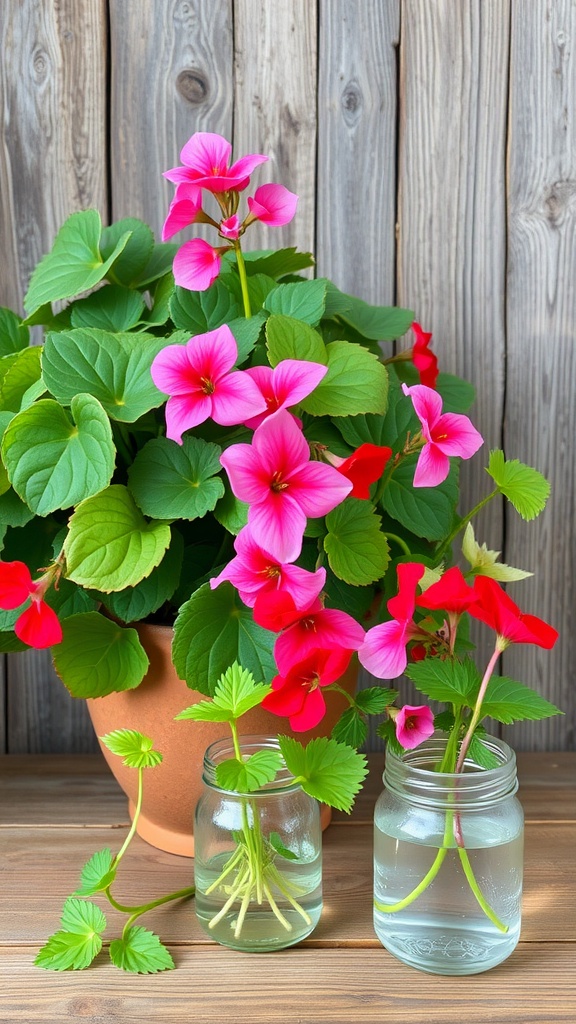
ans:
(257, 857)
(448, 852)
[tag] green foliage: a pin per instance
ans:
(356, 383)
(140, 951)
(327, 770)
(426, 511)
(251, 774)
(452, 681)
(78, 942)
(172, 481)
(235, 693)
(135, 749)
(97, 874)
(357, 550)
(526, 489)
(509, 701)
(302, 300)
(97, 656)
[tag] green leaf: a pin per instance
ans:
(114, 368)
(97, 656)
(135, 254)
(277, 844)
(113, 308)
(110, 545)
(364, 429)
(356, 383)
(204, 311)
(287, 338)
(173, 481)
(250, 775)
(14, 336)
(387, 731)
(351, 728)
(55, 460)
(375, 699)
(426, 511)
(480, 754)
(135, 749)
(327, 770)
(525, 488)
(303, 300)
(378, 323)
(455, 682)
(236, 693)
(74, 265)
(79, 941)
(246, 333)
(484, 562)
(159, 264)
(13, 511)
(356, 600)
(357, 550)
(135, 603)
(21, 375)
(457, 395)
(230, 512)
(140, 951)
(509, 701)
(97, 874)
(161, 293)
(277, 262)
(214, 629)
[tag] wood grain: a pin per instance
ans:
(171, 64)
(357, 119)
(275, 68)
(541, 361)
(296, 986)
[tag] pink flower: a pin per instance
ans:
(254, 572)
(230, 227)
(197, 264)
(282, 486)
(184, 210)
(287, 384)
(206, 160)
(446, 434)
(273, 204)
(424, 360)
(383, 652)
(413, 725)
(38, 625)
(303, 631)
(198, 380)
(297, 694)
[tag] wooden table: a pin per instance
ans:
(55, 811)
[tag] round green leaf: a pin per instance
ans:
(135, 603)
(357, 550)
(213, 630)
(303, 300)
(110, 545)
(114, 368)
(172, 481)
(55, 461)
(199, 312)
(97, 656)
(74, 265)
(129, 263)
(356, 383)
(111, 308)
(20, 375)
(426, 511)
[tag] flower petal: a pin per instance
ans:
(236, 399)
(39, 626)
(207, 153)
(383, 652)
(196, 265)
(318, 488)
(294, 379)
(184, 412)
(273, 204)
(278, 525)
(181, 214)
(427, 403)
(280, 444)
(455, 435)
(15, 584)
(311, 713)
(247, 479)
(432, 467)
(413, 725)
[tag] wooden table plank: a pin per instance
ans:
(37, 877)
(296, 986)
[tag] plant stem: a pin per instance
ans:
(399, 541)
(143, 907)
(463, 521)
(130, 835)
(478, 707)
(243, 278)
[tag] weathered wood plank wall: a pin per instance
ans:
(433, 147)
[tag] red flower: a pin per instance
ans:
(424, 360)
(363, 467)
(38, 625)
(297, 694)
(498, 611)
(306, 631)
(450, 594)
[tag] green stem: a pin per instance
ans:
(467, 868)
(428, 877)
(243, 279)
(399, 541)
(478, 706)
(143, 907)
(463, 521)
(130, 835)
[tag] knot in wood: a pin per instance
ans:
(352, 102)
(192, 86)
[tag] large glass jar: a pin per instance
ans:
(448, 855)
(257, 858)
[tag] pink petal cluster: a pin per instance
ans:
(288, 384)
(200, 382)
(255, 573)
(206, 166)
(305, 630)
(413, 725)
(38, 625)
(445, 434)
(383, 652)
(282, 486)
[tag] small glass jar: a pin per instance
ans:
(257, 857)
(448, 854)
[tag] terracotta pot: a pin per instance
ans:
(172, 789)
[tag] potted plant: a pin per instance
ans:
(210, 441)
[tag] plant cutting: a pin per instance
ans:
(209, 439)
